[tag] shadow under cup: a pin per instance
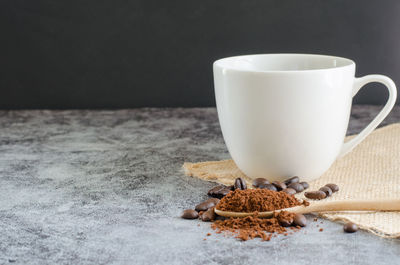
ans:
(286, 114)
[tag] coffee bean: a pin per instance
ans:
(204, 206)
(219, 191)
(289, 191)
(315, 195)
(333, 187)
(222, 193)
(240, 184)
(279, 185)
(214, 200)
(260, 182)
(215, 190)
(327, 190)
(190, 214)
(264, 186)
(296, 186)
(269, 187)
(350, 228)
(294, 179)
(305, 185)
(209, 215)
(299, 220)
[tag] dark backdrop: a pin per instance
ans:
(135, 53)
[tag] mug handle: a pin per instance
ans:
(358, 84)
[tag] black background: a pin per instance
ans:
(137, 53)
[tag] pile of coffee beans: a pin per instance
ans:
(205, 210)
(291, 186)
(323, 192)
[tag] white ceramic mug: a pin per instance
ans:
(287, 114)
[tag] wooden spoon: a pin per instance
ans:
(321, 206)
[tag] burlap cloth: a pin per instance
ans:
(370, 171)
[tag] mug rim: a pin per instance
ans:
(222, 63)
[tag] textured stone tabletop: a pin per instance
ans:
(106, 187)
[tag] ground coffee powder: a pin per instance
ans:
(256, 200)
(251, 226)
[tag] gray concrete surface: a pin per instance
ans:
(106, 187)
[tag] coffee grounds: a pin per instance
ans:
(252, 226)
(285, 218)
(256, 200)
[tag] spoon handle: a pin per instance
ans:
(349, 205)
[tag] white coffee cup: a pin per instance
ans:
(283, 115)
